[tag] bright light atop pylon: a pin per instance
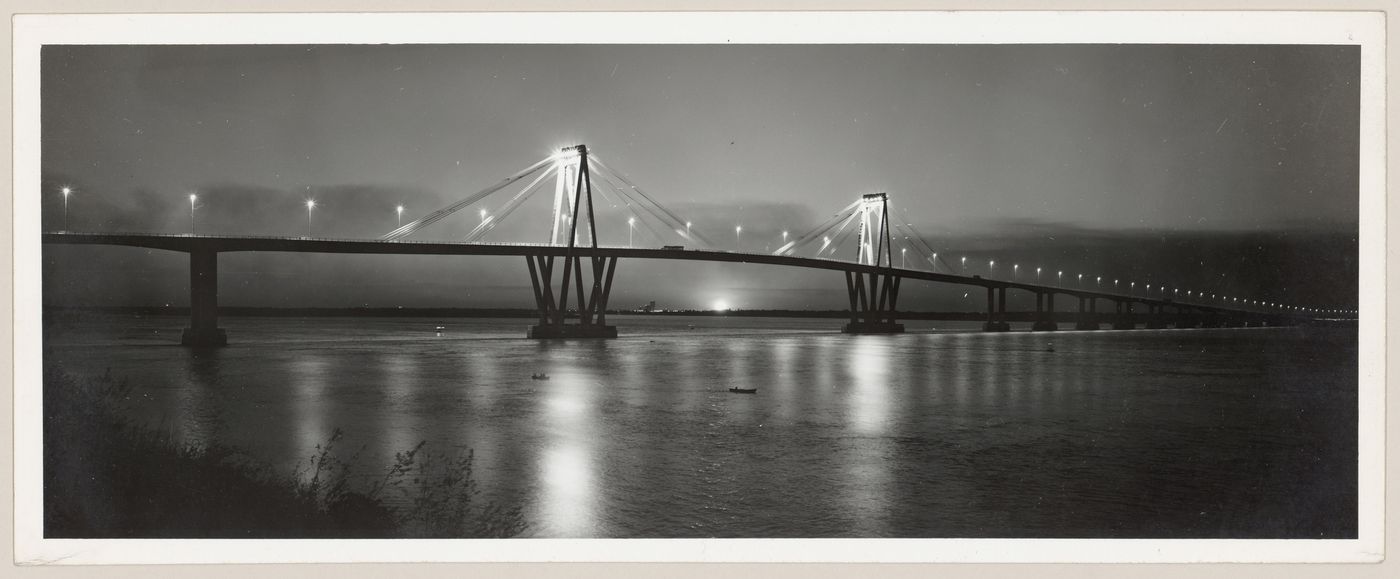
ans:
(567, 153)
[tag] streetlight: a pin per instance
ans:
(399, 209)
(66, 192)
(1098, 281)
(903, 258)
(784, 238)
(1131, 286)
(991, 267)
(1015, 271)
(738, 240)
(310, 204)
(192, 198)
(1060, 279)
(483, 215)
(631, 226)
(964, 265)
(687, 230)
(1081, 280)
(1037, 275)
(1115, 285)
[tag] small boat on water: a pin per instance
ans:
(539, 376)
(737, 390)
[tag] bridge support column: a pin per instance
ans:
(1123, 320)
(1088, 318)
(873, 311)
(1154, 317)
(1185, 318)
(591, 312)
(996, 311)
(1044, 313)
(204, 331)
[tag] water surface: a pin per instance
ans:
(942, 432)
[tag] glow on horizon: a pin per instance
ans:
(720, 306)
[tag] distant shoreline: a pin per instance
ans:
(238, 311)
(61, 313)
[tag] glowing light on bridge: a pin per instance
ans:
(66, 190)
(903, 258)
(310, 204)
(1037, 275)
(192, 199)
(1015, 271)
(399, 210)
(964, 265)
(738, 239)
(631, 227)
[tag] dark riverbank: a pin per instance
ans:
(108, 477)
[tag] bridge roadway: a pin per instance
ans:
(210, 245)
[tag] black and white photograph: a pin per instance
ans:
(587, 289)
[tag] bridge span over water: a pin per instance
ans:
(873, 290)
(872, 282)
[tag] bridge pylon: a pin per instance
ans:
(874, 296)
(573, 202)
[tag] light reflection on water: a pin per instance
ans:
(954, 434)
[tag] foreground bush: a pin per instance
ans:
(105, 477)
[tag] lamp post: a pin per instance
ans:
(903, 258)
(66, 192)
(399, 210)
(964, 265)
(1060, 278)
(1037, 275)
(1015, 272)
(192, 198)
(483, 215)
(310, 204)
(687, 230)
(631, 227)
(991, 267)
(738, 239)
(784, 238)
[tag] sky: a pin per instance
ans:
(1224, 168)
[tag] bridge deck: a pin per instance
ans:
(216, 243)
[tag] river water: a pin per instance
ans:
(940, 432)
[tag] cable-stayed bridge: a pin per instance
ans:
(572, 274)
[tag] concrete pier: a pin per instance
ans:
(204, 330)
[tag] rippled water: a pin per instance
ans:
(947, 433)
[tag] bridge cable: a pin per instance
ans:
(440, 214)
(630, 204)
(673, 220)
(498, 216)
(819, 230)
